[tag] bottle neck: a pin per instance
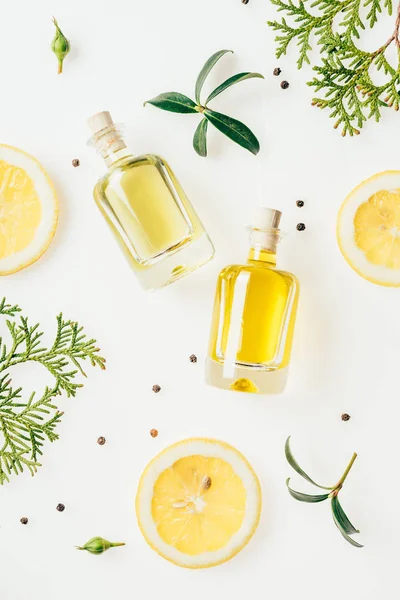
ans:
(261, 255)
(110, 144)
(263, 246)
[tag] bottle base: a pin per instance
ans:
(237, 378)
(178, 264)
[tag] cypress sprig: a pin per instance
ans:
(343, 76)
(26, 425)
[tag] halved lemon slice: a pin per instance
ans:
(368, 229)
(198, 503)
(28, 210)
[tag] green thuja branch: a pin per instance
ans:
(343, 77)
(26, 425)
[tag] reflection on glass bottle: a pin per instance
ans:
(147, 210)
(254, 317)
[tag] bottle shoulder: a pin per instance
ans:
(127, 163)
(232, 271)
(289, 276)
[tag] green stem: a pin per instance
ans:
(117, 544)
(347, 471)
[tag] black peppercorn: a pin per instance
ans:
(245, 1)
(345, 417)
(284, 85)
(277, 71)
(300, 203)
(193, 358)
(76, 162)
(156, 388)
(300, 227)
(60, 507)
(101, 440)
(24, 521)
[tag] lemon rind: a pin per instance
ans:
(48, 198)
(353, 255)
(214, 448)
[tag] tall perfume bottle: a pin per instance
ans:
(147, 210)
(254, 317)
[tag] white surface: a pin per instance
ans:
(346, 351)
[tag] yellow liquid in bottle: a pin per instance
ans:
(152, 220)
(143, 202)
(253, 325)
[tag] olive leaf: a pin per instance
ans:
(232, 128)
(305, 497)
(231, 81)
(342, 522)
(200, 138)
(293, 463)
(340, 518)
(174, 102)
(211, 62)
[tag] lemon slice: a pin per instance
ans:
(198, 503)
(368, 229)
(28, 210)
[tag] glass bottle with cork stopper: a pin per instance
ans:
(254, 316)
(147, 210)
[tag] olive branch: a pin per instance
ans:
(343, 76)
(340, 518)
(179, 103)
(26, 425)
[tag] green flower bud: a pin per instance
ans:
(60, 46)
(98, 545)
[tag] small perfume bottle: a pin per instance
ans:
(147, 210)
(254, 317)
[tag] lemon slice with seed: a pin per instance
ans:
(368, 229)
(28, 210)
(198, 503)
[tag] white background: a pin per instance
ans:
(346, 350)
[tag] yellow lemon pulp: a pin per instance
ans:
(28, 210)
(368, 229)
(198, 503)
(191, 516)
(377, 228)
(20, 209)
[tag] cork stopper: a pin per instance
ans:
(99, 121)
(264, 228)
(266, 218)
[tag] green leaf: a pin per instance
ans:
(206, 70)
(200, 138)
(346, 524)
(293, 463)
(233, 129)
(343, 523)
(173, 102)
(305, 497)
(231, 81)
